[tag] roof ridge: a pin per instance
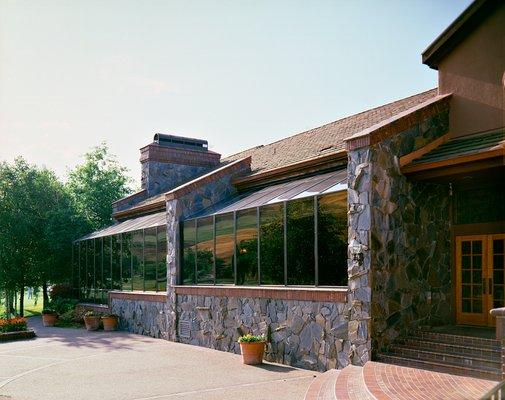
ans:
(330, 123)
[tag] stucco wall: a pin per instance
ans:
(474, 73)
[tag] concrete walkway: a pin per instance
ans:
(64, 363)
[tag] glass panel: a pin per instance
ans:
(466, 262)
(150, 259)
(116, 262)
(477, 262)
(138, 260)
(161, 272)
(477, 290)
(126, 271)
(82, 270)
(272, 244)
(247, 247)
(205, 246)
(332, 239)
(467, 293)
(467, 306)
(498, 292)
(300, 242)
(477, 277)
(98, 270)
(498, 246)
(477, 247)
(477, 306)
(479, 204)
(75, 269)
(225, 243)
(90, 271)
(466, 276)
(107, 280)
(498, 261)
(189, 251)
(466, 247)
(498, 275)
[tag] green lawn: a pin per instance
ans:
(30, 307)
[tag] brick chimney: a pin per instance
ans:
(173, 160)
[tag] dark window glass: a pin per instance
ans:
(225, 244)
(188, 252)
(247, 247)
(204, 247)
(137, 251)
(82, 269)
(486, 204)
(332, 239)
(300, 241)
(116, 262)
(272, 244)
(161, 272)
(126, 261)
(90, 270)
(150, 259)
(107, 279)
(75, 269)
(98, 271)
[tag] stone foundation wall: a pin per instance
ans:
(142, 317)
(306, 334)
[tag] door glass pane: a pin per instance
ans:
(205, 249)
(189, 251)
(467, 306)
(161, 272)
(247, 247)
(272, 244)
(498, 273)
(150, 259)
(467, 291)
(466, 247)
(300, 242)
(477, 262)
(332, 239)
(467, 276)
(477, 247)
(498, 261)
(498, 246)
(471, 276)
(477, 306)
(225, 243)
(138, 261)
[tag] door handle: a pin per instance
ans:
(490, 291)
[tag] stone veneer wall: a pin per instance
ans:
(399, 232)
(144, 317)
(306, 334)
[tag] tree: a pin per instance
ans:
(96, 184)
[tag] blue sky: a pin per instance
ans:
(237, 73)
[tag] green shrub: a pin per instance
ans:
(251, 338)
(61, 291)
(13, 324)
(62, 305)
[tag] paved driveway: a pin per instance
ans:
(76, 364)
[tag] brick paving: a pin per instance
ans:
(392, 382)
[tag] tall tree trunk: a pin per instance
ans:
(15, 297)
(22, 301)
(45, 295)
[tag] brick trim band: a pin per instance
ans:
(160, 297)
(338, 295)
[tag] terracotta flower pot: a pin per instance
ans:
(252, 352)
(49, 319)
(92, 322)
(109, 323)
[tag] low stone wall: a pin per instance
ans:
(307, 334)
(141, 313)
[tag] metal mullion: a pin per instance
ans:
(120, 261)
(316, 250)
(195, 280)
(258, 243)
(235, 247)
(285, 223)
(214, 247)
(144, 259)
(156, 258)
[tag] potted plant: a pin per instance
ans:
(92, 320)
(49, 317)
(252, 348)
(110, 322)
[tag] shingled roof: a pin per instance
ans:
(326, 139)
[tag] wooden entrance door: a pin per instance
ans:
(480, 278)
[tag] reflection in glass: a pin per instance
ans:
(90, 270)
(126, 261)
(150, 259)
(189, 252)
(107, 279)
(116, 262)
(82, 269)
(247, 247)
(224, 248)
(332, 239)
(137, 253)
(98, 270)
(161, 272)
(300, 242)
(272, 244)
(204, 248)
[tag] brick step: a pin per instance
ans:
(350, 385)
(438, 347)
(456, 339)
(323, 387)
(485, 364)
(494, 375)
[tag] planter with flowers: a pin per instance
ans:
(92, 320)
(49, 317)
(110, 322)
(14, 329)
(252, 348)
